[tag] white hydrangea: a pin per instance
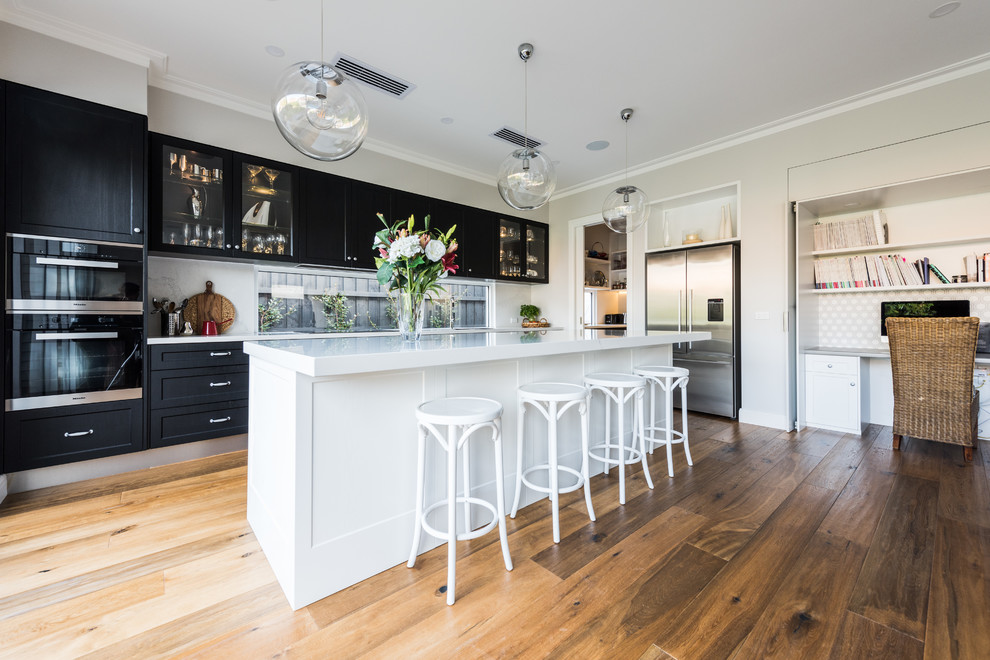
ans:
(435, 250)
(404, 247)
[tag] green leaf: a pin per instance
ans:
(446, 238)
(385, 273)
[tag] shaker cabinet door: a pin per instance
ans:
(72, 168)
(323, 208)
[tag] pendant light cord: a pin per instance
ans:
(322, 59)
(526, 103)
(626, 178)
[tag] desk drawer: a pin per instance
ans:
(832, 364)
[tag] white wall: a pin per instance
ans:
(762, 166)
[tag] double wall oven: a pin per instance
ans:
(73, 322)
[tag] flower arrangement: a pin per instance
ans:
(410, 262)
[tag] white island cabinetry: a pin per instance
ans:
(332, 436)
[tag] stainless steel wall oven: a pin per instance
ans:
(74, 324)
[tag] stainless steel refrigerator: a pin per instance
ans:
(698, 289)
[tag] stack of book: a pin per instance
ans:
(976, 266)
(858, 232)
(874, 271)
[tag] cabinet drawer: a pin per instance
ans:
(182, 356)
(185, 387)
(174, 426)
(832, 364)
(52, 436)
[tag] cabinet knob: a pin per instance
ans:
(852, 384)
(137, 230)
(228, 246)
(829, 365)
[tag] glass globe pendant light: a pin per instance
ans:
(318, 110)
(627, 207)
(526, 178)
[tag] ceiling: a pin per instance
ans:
(697, 73)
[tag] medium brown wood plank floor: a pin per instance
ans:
(789, 545)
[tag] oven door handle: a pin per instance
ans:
(51, 336)
(84, 263)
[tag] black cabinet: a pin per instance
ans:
(198, 391)
(265, 213)
(523, 250)
(52, 436)
(189, 201)
(323, 213)
(476, 243)
(73, 168)
(364, 202)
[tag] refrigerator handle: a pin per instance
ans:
(690, 314)
(680, 308)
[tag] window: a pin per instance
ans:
(311, 300)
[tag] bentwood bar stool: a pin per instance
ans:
(667, 379)
(463, 417)
(618, 390)
(552, 400)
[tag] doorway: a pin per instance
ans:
(604, 278)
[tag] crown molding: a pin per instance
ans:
(916, 83)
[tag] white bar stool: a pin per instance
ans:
(547, 399)
(462, 416)
(667, 378)
(618, 389)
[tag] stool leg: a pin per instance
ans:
(621, 418)
(451, 510)
(642, 438)
(670, 432)
(519, 456)
(499, 493)
(466, 459)
(653, 413)
(585, 469)
(684, 422)
(608, 429)
(553, 476)
(420, 469)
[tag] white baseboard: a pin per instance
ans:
(770, 420)
(57, 475)
(3, 487)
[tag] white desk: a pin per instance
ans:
(332, 436)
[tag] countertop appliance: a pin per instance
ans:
(615, 319)
(697, 289)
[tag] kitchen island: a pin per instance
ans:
(332, 436)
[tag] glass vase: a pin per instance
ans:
(410, 308)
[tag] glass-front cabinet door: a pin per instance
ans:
(189, 196)
(510, 248)
(266, 212)
(536, 252)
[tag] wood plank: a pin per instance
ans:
(804, 617)
(82, 490)
(655, 653)
(838, 466)
(958, 624)
(963, 493)
(725, 610)
(860, 637)
(892, 588)
(856, 512)
(819, 442)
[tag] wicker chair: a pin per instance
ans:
(932, 365)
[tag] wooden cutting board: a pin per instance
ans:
(209, 306)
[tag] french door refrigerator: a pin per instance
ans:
(697, 289)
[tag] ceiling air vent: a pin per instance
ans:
(516, 138)
(369, 75)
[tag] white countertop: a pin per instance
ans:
(878, 353)
(257, 336)
(337, 355)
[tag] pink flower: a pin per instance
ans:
(423, 240)
(452, 248)
(448, 262)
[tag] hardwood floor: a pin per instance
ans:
(790, 545)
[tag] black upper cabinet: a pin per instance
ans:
(190, 203)
(405, 204)
(323, 209)
(523, 250)
(364, 202)
(73, 168)
(476, 243)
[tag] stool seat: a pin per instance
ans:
(613, 379)
(553, 391)
(458, 410)
(657, 370)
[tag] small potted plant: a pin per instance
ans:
(531, 317)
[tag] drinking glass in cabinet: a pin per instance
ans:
(192, 197)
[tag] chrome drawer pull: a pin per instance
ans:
(220, 354)
(218, 421)
(78, 433)
(84, 263)
(220, 384)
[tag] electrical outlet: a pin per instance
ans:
(512, 320)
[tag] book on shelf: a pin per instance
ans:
(878, 270)
(864, 231)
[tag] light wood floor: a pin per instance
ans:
(774, 544)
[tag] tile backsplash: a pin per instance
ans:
(852, 320)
